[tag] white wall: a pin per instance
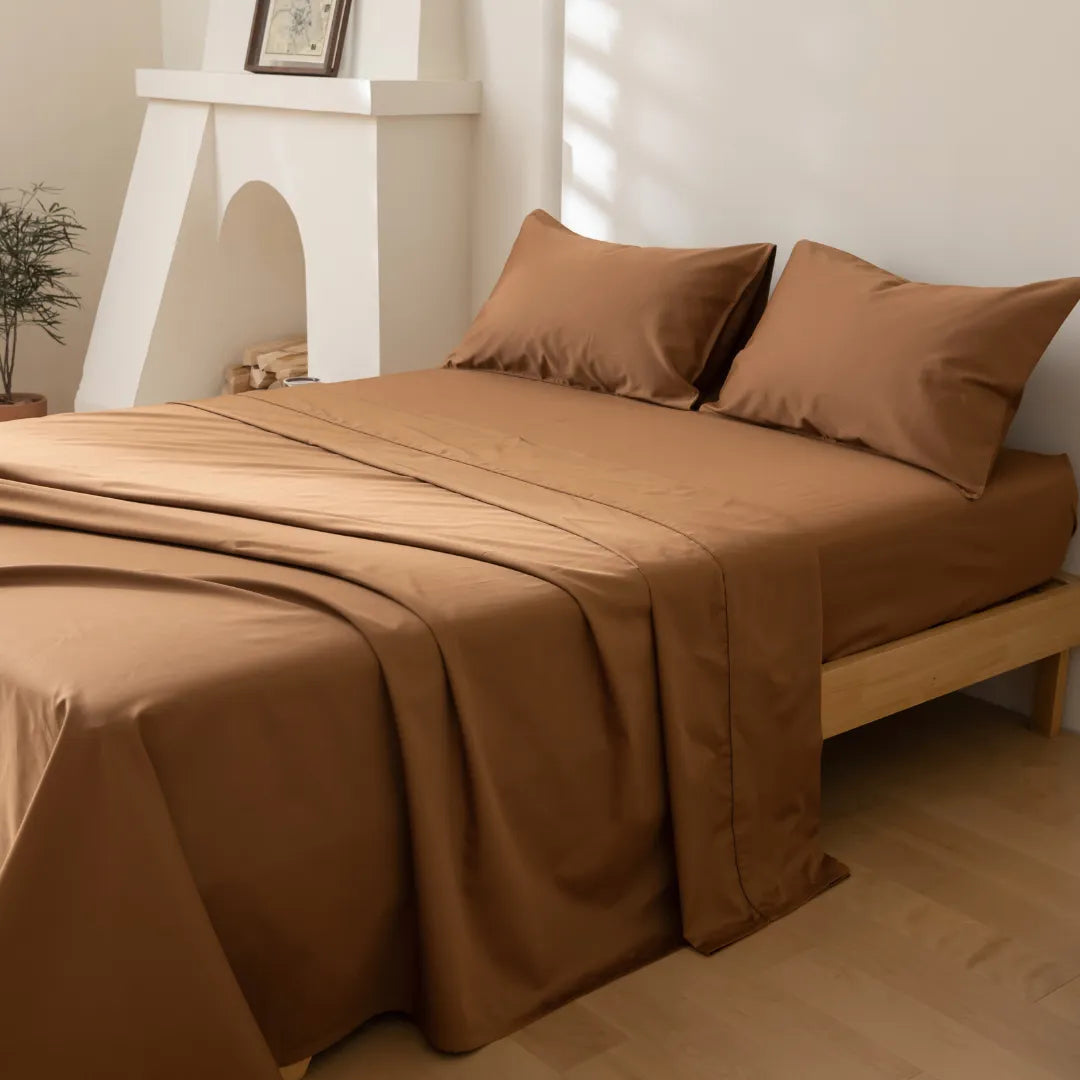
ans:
(515, 49)
(70, 118)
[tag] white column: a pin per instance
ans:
(426, 177)
(228, 31)
(385, 40)
(172, 139)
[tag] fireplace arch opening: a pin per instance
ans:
(231, 286)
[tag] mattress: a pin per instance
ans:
(901, 550)
(449, 694)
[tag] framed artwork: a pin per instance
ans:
(298, 37)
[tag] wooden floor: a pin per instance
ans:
(953, 953)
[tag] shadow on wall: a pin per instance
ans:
(937, 140)
(227, 290)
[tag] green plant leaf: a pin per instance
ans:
(34, 234)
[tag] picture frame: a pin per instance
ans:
(298, 37)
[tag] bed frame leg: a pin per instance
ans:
(1051, 681)
(296, 1072)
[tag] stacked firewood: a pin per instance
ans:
(267, 366)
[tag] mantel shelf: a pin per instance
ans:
(358, 97)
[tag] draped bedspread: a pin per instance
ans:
(312, 709)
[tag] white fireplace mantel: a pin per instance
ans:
(376, 171)
(360, 97)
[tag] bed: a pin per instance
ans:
(446, 693)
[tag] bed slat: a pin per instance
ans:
(1040, 626)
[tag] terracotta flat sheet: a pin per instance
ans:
(900, 549)
(313, 707)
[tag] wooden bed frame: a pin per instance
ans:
(1040, 628)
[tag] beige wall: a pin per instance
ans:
(70, 117)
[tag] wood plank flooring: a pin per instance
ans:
(953, 953)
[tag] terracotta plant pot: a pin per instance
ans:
(26, 406)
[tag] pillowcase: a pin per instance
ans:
(656, 324)
(928, 374)
(737, 333)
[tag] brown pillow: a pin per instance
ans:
(657, 324)
(927, 374)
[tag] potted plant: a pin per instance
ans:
(34, 233)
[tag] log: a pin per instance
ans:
(277, 356)
(285, 365)
(267, 366)
(261, 380)
(251, 356)
(237, 380)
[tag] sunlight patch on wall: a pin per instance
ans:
(594, 162)
(584, 215)
(592, 92)
(593, 22)
(591, 99)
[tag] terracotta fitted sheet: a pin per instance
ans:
(900, 549)
(450, 694)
